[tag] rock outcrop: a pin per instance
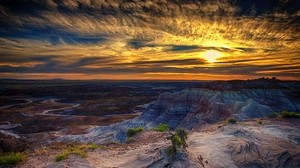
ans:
(275, 143)
(10, 142)
(247, 145)
(208, 103)
(191, 107)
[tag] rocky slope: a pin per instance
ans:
(208, 103)
(190, 107)
(274, 143)
(247, 145)
(10, 142)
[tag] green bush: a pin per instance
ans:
(162, 127)
(176, 141)
(182, 135)
(129, 140)
(93, 146)
(132, 131)
(231, 121)
(61, 156)
(170, 151)
(11, 159)
(273, 115)
(287, 114)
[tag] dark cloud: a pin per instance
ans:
(17, 59)
(137, 44)
(183, 48)
(92, 61)
(167, 62)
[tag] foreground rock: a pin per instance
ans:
(247, 145)
(10, 142)
(219, 145)
(275, 143)
(73, 161)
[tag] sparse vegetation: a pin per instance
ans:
(129, 140)
(183, 136)
(231, 121)
(273, 115)
(61, 156)
(178, 141)
(93, 146)
(11, 159)
(162, 127)
(79, 150)
(170, 151)
(288, 114)
(132, 131)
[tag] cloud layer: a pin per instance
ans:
(150, 39)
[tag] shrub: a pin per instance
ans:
(273, 115)
(61, 156)
(129, 140)
(287, 114)
(231, 121)
(132, 131)
(162, 127)
(176, 141)
(183, 136)
(11, 159)
(93, 146)
(79, 150)
(170, 151)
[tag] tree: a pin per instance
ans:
(178, 140)
(183, 136)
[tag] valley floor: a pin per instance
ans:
(273, 143)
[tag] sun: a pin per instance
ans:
(211, 55)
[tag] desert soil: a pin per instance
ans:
(274, 143)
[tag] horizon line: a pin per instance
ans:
(149, 80)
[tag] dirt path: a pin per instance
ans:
(48, 111)
(28, 101)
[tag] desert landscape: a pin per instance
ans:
(228, 123)
(149, 83)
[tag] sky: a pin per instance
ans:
(150, 39)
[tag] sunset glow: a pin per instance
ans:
(193, 40)
(211, 55)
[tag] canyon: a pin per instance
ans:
(201, 108)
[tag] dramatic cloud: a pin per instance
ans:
(150, 39)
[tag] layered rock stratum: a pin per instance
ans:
(210, 102)
(212, 141)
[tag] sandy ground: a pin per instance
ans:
(275, 143)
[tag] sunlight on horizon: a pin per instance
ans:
(211, 56)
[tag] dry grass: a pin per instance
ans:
(76, 149)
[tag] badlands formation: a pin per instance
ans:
(256, 140)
